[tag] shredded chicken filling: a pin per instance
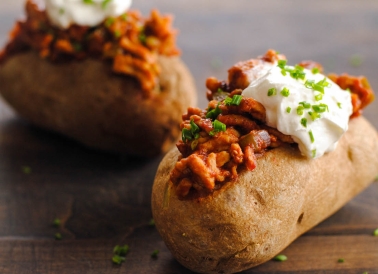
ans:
(211, 156)
(131, 42)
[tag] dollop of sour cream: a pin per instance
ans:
(315, 118)
(63, 13)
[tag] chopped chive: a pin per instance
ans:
(89, 2)
(282, 63)
(151, 222)
(341, 260)
(213, 113)
(58, 236)
(194, 144)
(56, 222)
(155, 253)
(283, 72)
(318, 97)
(235, 100)
(300, 110)
(304, 122)
(117, 34)
(309, 83)
(315, 70)
(219, 90)
(305, 104)
(375, 233)
(288, 109)
(121, 250)
(311, 136)
(190, 134)
(320, 108)
(142, 37)
(61, 11)
(218, 126)
(105, 4)
(285, 92)
(116, 259)
(314, 115)
(280, 258)
(124, 17)
(272, 91)
(339, 104)
(313, 153)
(26, 169)
(109, 21)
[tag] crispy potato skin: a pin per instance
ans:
(87, 102)
(248, 222)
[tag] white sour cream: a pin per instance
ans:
(320, 135)
(63, 13)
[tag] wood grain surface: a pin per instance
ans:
(104, 200)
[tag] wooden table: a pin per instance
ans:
(104, 200)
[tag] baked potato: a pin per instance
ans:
(219, 209)
(118, 87)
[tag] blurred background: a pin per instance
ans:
(213, 35)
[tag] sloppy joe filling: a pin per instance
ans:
(232, 133)
(130, 42)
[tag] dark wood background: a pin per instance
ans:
(104, 200)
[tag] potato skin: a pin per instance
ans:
(85, 101)
(248, 222)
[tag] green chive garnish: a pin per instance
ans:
(311, 136)
(105, 3)
(285, 92)
(155, 253)
(142, 38)
(339, 104)
(318, 97)
(58, 236)
(272, 91)
(314, 115)
(282, 63)
(375, 233)
(305, 104)
(300, 110)
(117, 34)
(109, 21)
(151, 222)
(341, 260)
(88, 2)
(124, 17)
(218, 127)
(288, 109)
(315, 70)
(116, 259)
(320, 108)
(121, 250)
(280, 258)
(213, 114)
(56, 222)
(304, 122)
(190, 134)
(26, 169)
(235, 100)
(313, 153)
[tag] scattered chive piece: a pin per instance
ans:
(26, 169)
(348, 90)
(218, 126)
(341, 260)
(124, 17)
(194, 144)
(311, 136)
(121, 250)
(61, 11)
(285, 92)
(105, 3)
(313, 153)
(309, 83)
(109, 21)
(116, 259)
(151, 222)
(280, 258)
(300, 110)
(305, 104)
(339, 104)
(213, 114)
(155, 253)
(282, 63)
(288, 109)
(142, 38)
(272, 91)
(89, 2)
(304, 122)
(117, 34)
(58, 236)
(318, 97)
(320, 108)
(56, 222)
(315, 70)
(235, 100)
(314, 115)
(375, 233)
(365, 272)
(190, 134)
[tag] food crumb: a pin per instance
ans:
(58, 236)
(341, 260)
(120, 254)
(155, 254)
(56, 222)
